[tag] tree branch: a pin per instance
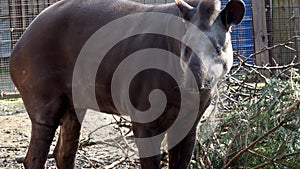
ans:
(285, 111)
(252, 144)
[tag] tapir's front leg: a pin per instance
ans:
(180, 155)
(148, 147)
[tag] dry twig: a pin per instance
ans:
(287, 110)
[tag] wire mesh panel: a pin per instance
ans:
(15, 16)
(283, 19)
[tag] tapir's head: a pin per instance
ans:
(207, 48)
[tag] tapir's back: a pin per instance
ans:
(43, 60)
(60, 31)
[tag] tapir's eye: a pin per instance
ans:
(187, 51)
(219, 50)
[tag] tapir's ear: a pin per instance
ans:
(233, 13)
(186, 10)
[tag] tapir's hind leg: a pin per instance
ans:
(41, 139)
(45, 118)
(67, 144)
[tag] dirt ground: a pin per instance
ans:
(110, 149)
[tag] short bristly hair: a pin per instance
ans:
(208, 11)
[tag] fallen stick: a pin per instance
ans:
(114, 164)
(22, 159)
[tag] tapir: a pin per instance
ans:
(54, 46)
